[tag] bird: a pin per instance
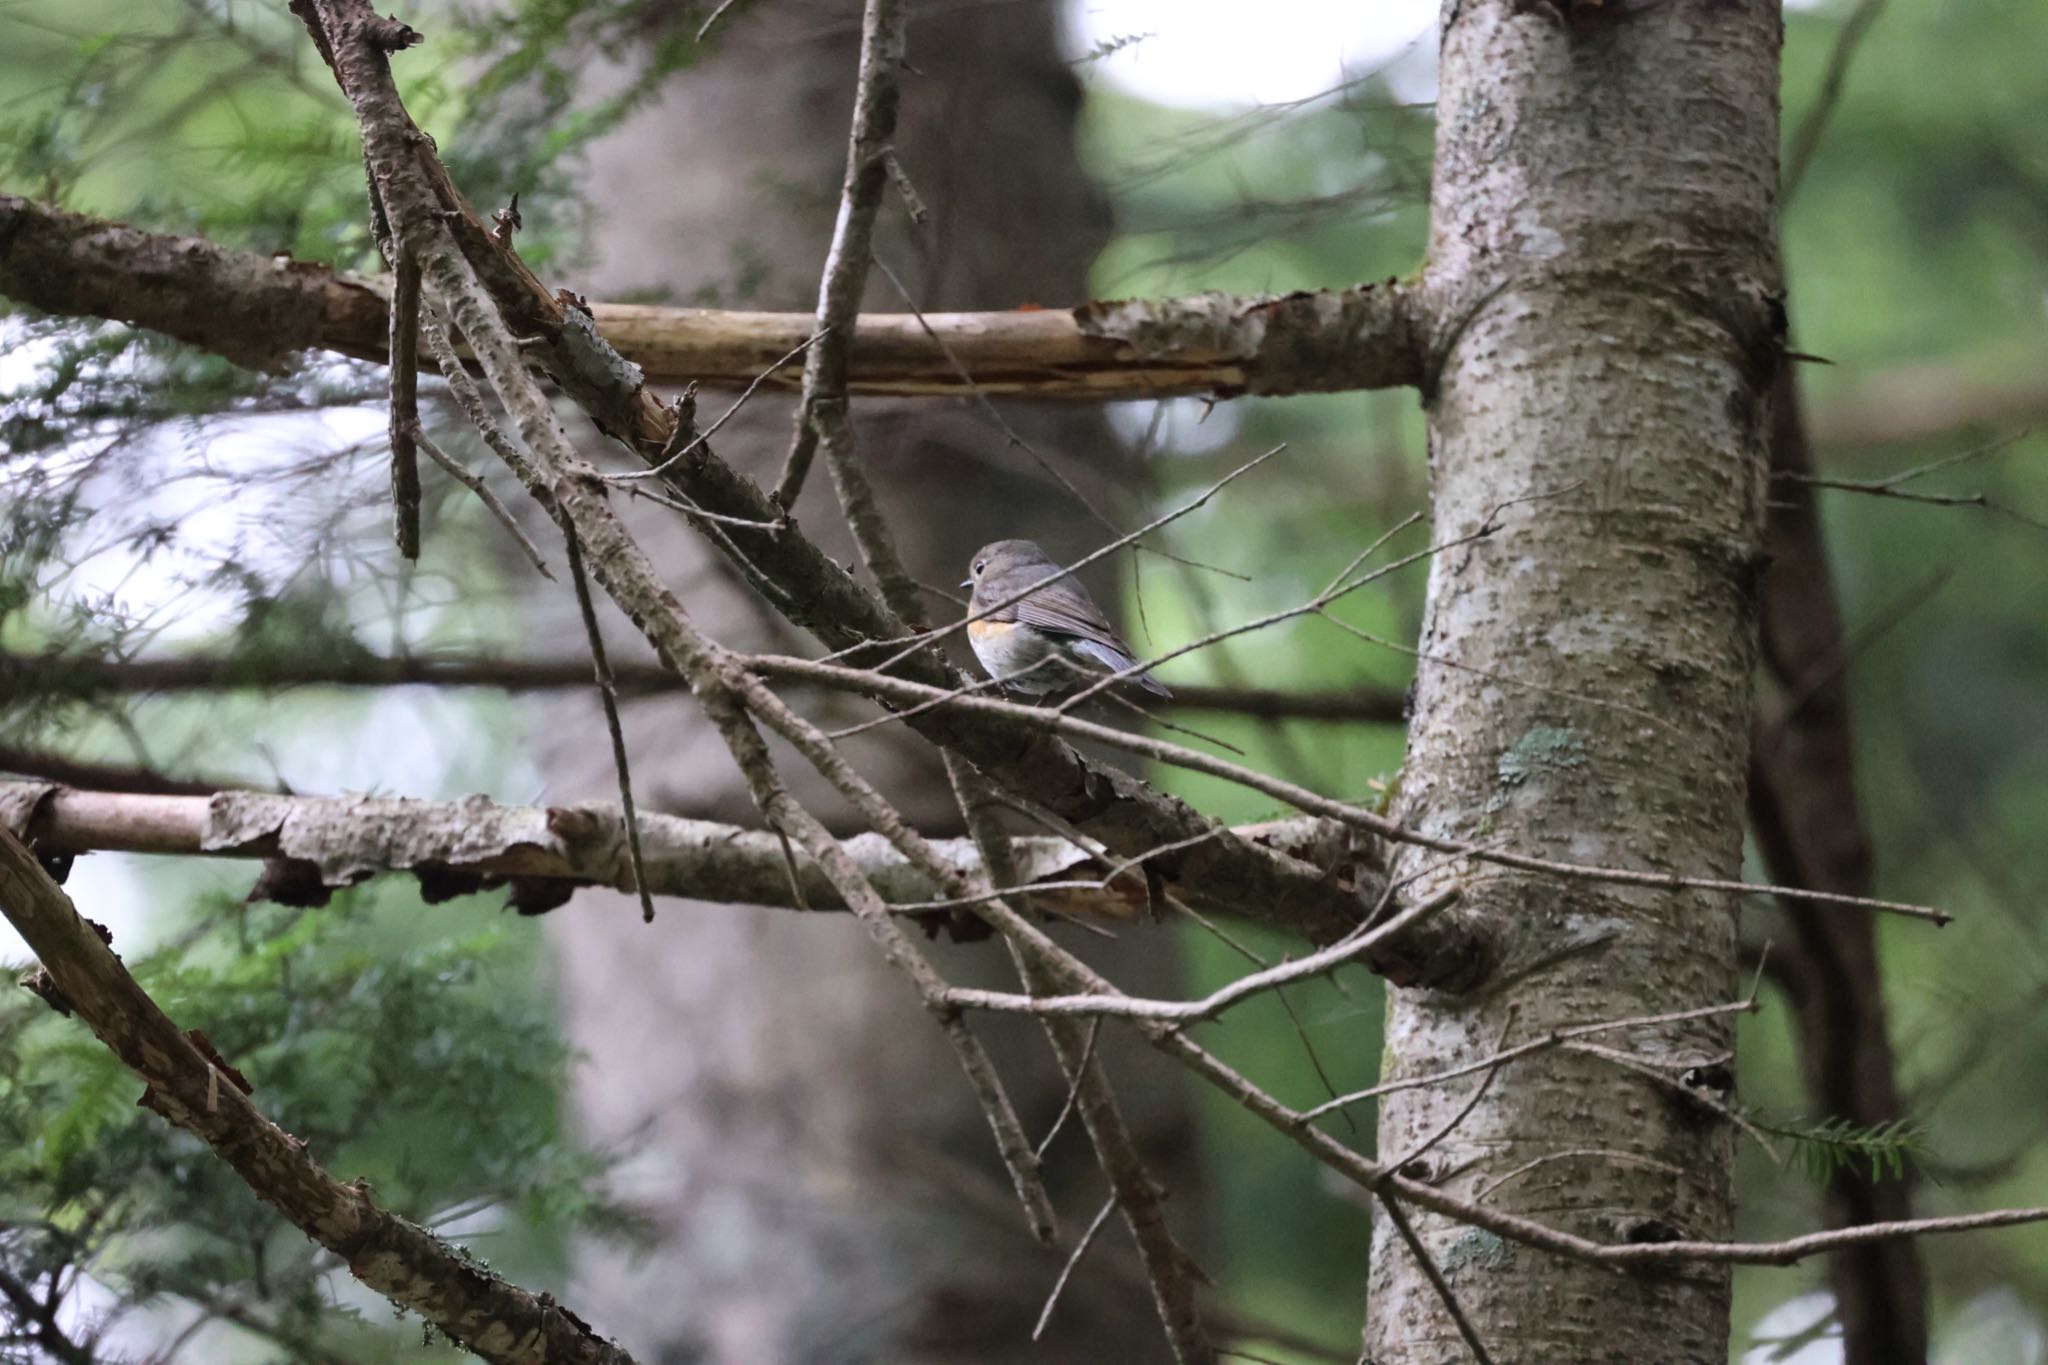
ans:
(1050, 640)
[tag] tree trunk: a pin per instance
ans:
(821, 1183)
(1603, 265)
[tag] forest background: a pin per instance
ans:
(1916, 241)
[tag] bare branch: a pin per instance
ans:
(1121, 1006)
(415, 1269)
(1303, 798)
(26, 675)
(1554, 1038)
(884, 24)
(1170, 1272)
(609, 695)
(1889, 488)
(475, 484)
(1059, 1285)
(259, 310)
(1435, 1275)
(475, 844)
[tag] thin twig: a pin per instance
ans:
(1059, 1120)
(677, 502)
(475, 484)
(405, 408)
(1120, 1006)
(1302, 797)
(609, 693)
(1884, 489)
(704, 31)
(1554, 1038)
(883, 28)
(712, 430)
(900, 178)
(1435, 1276)
(1059, 1285)
(1806, 141)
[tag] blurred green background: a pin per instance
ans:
(1917, 255)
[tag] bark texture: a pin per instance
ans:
(792, 1122)
(1604, 274)
(472, 844)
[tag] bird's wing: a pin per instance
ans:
(1068, 614)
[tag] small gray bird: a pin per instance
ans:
(1050, 641)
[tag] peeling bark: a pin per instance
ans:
(1603, 267)
(259, 311)
(472, 844)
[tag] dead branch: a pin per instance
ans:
(29, 675)
(404, 177)
(475, 484)
(1169, 1271)
(1303, 798)
(413, 1268)
(608, 693)
(260, 310)
(1554, 1038)
(492, 296)
(1210, 1006)
(405, 409)
(821, 408)
(475, 843)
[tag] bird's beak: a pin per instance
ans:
(966, 582)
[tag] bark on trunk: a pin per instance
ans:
(821, 1181)
(1603, 266)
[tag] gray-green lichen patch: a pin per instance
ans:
(1479, 1249)
(1542, 750)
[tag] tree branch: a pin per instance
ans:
(511, 322)
(413, 1268)
(884, 25)
(24, 675)
(1169, 1271)
(475, 844)
(259, 310)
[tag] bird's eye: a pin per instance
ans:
(980, 564)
